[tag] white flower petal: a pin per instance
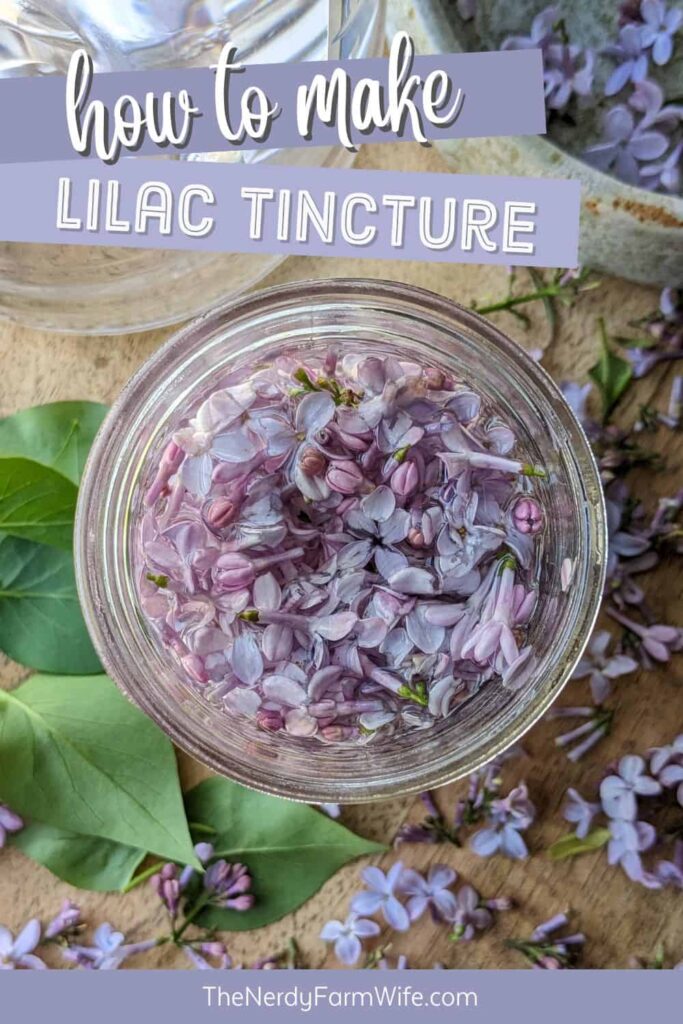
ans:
(412, 581)
(379, 504)
(247, 663)
(314, 412)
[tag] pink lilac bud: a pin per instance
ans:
(416, 538)
(233, 572)
(221, 513)
(345, 477)
(527, 516)
(313, 462)
(404, 479)
(168, 465)
(271, 721)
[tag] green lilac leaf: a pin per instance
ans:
(41, 625)
(611, 374)
(58, 435)
(88, 862)
(36, 503)
(75, 754)
(290, 849)
(571, 845)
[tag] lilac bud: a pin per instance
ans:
(416, 538)
(68, 918)
(240, 903)
(221, 513)
(345, 477)
(271, 721)
(404, 479)
(204, 852)
(232, 572)
(527, 516)
(313, 462)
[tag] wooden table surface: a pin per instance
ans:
(619, 918)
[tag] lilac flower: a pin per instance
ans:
(542, 33)
(661, 24)
(626, 145)
(66, 922)
(319, 531)
(580, 812)
(547, 951)
(471, 915)
(167, 887)
(19, 952)
(663, 757)
(229, 885)
(658, 641)
(568, 71)
(618, 792)
(583, 737)
(509, 817)
(602, 668)
(628, 840)
(633, 61)
(380, 895)
(664, 175)
(432, 892)
(347, 936)
(108, 952)
(9, 822)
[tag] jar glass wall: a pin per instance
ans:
(306, 318)
(108, 290)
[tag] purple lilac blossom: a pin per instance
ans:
(580, 812)
(626, 145)
(19, 952)
(508, 817)
(660, 26)
(380, 895)
(108, 952)
(545, 950)
(602, 668)
(9, 822)
(632, 60)
(344, 548)
(471, 915)
(228, 886)
(618, 792)
(65, 922)
(432, 893)
(348, 935)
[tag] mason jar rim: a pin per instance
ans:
(105, 592)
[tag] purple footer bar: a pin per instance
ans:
(282, 997)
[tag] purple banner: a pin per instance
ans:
(482, 94)
(283, 997)
(290, 210)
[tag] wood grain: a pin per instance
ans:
(619, 918)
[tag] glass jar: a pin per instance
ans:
(108, 290)
(304, 318)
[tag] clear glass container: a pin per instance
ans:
(305, 317)
(103, 290)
